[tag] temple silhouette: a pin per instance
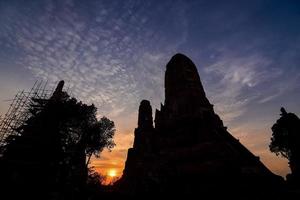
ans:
(189, 150)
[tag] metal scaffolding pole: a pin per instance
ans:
(19, 109)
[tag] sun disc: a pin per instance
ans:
(112, 173)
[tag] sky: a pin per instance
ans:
(113, 54)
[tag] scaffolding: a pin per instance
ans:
(18, 111)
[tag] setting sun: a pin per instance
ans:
(112, 173)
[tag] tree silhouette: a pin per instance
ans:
(51, 150)
(99, 136)
(285, 140)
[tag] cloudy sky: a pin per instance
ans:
(113, 54)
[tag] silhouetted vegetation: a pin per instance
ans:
(94, 184)
(285, 141)
(50, 153)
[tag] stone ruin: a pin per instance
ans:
(189, 150)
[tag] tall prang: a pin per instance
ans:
(189, 150)
(182, 85)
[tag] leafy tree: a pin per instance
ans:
(99, 136)
(57, 141)
(285, 139)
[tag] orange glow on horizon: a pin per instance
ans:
(112, 173)
(256, 139)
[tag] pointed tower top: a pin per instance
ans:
(183, 89)
(60, 86)
(180, 58)
(145, 120)
(58, 91)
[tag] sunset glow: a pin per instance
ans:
(112, 173)
(113, 54)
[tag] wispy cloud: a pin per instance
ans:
(113, 53)
(235, 82)
(103, 57)
(239, 82)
